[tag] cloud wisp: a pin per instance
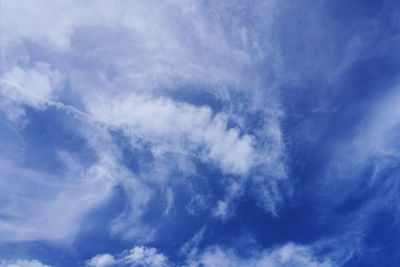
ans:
(128, 87)
(126, 126)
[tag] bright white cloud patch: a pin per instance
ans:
(178, 127)
(30, 86)
(137, 256)
(102, 260)
(22, 263)
(33, 87)
(287, 255)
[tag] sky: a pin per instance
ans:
(207, 133)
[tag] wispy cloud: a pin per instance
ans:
(118, 73)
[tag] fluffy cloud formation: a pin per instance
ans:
(287, 255)
(137, 256)
(22, 263)
(164, 122)
(102, 260)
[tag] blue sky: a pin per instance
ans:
(199, 133)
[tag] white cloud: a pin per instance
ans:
(22, 263)
(129, 224)
(47, 207)
(121, 60)
(373, 144)
(181, 126)
(142, 256)
(378, 133)
(33, 87)
(137, 256)
(191, 247)
(287, 255)
(102, 260)
(169, 40)
(367, 160)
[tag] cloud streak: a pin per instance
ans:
(128, 85)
